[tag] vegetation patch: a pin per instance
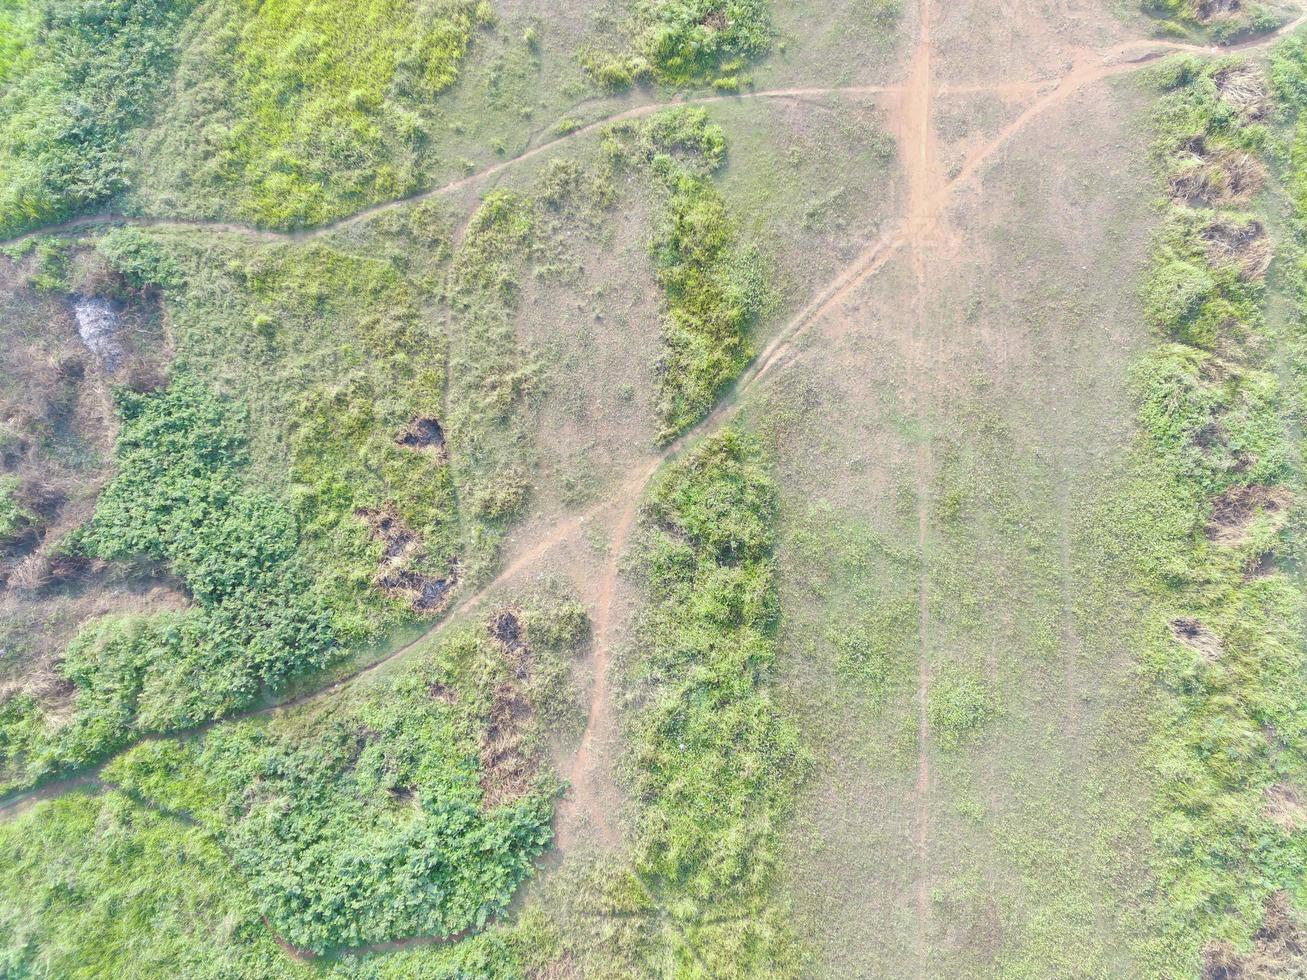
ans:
(1215, 478)
(1221, 21)
(178, 498)
(713, 284)
(66, 114)
(957, 707)
(688, 42)
(132, 891)
(309, 109)
(712, 763)
(382, 815)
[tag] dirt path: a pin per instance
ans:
(1008, 88)
(588, 775)
(927, 195)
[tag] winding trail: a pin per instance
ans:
(910, 106)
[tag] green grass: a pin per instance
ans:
(711, 762)
(19, 23)
(714, 286)
(65, 116)
(688, 42)
(94, 886)
(13, 516)
(294, 112)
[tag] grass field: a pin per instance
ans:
(667, 488)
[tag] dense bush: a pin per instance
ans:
(713, 285)
(714, 766)
(365, 820)
(689, 42)
(65, 116)
(178, 498)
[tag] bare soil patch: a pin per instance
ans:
(1244, 246)
(1235, 511)
(1197, 637)
(1285, 807)
(425, 593)
(1279, 949)
(1208, 176)
(425, 432)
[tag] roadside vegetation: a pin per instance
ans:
(75, 79)
(712, 764)
(1214, 526)
(1221, 21)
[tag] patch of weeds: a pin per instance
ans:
(313, 108)
(65, 115)
(13, 515)
(688, 42)
(1223, 21)
(713, 764)
(178, 498)
(139, 258)
(413, 808)
(1225, 652)
(957, 708)
(714, 285)
(1204, 277)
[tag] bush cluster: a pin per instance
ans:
(714, 766)
(65, 116)
(179, 498)
(364, 819)
(713, 285)
(689, 42)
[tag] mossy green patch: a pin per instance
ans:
(65, 116)
(688, 42)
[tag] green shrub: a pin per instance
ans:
(689, 42)
(65, 115)
(714, 766)
(178, 498)
(714, 287)
(13, 516)
(957, 707)
(139, 258)
(364, 819)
